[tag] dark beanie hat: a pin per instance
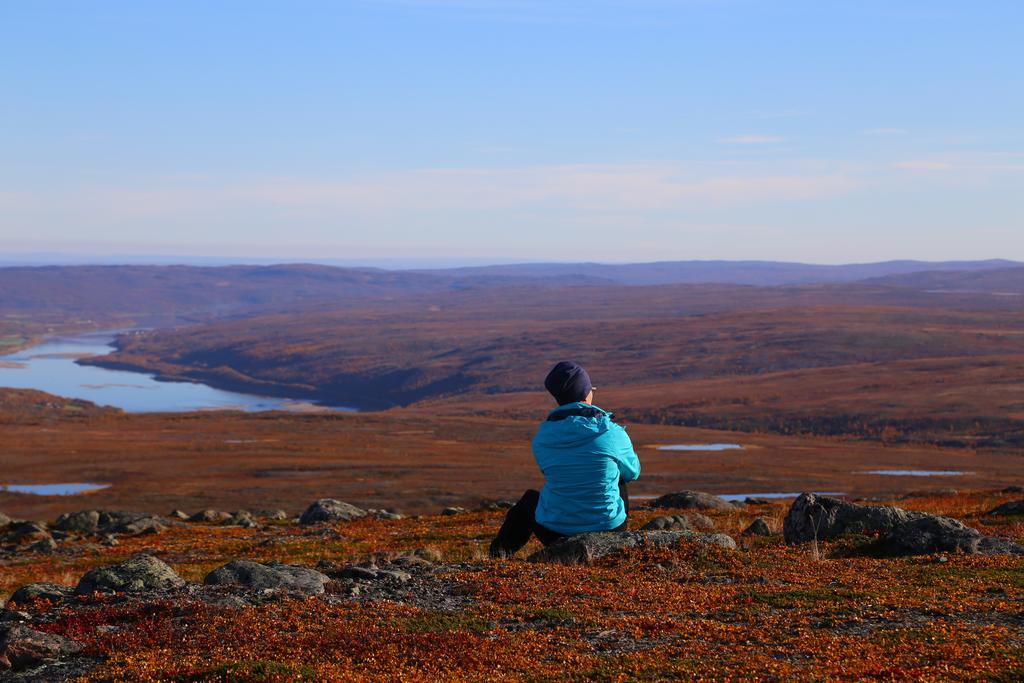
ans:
(568, 382)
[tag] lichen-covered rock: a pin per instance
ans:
(823, 517)
(691, 500)
(210, 516)
(136, 575)
(1014, 507)
(43, 545)
(759, 527)
(40, 591)
(585, 548)
(26, 532)
(933, 534)
(242, 518)
(276, 515)
(269, 575)
(83, 522)
(130, 523)
(330, 510)
(693, 521)
(22, 647)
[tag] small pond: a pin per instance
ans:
(53, 489)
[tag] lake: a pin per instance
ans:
(51, 367)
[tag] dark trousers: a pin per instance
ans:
(521, 523)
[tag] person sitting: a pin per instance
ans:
(587, 461)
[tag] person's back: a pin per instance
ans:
(586, 458)
(583, 456)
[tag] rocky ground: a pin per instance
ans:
(929, 588)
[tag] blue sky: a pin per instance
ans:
(503, 130)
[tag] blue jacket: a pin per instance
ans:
(582, 458)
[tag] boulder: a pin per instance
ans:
(131, 523)
(83, 522)
(759, 527)
(932, 534)
(449, 511)
(371, 572)
(43, 545)
(178, 514)
(276, 515)
(693, 521)
(22, 647)
(823, 517)
(26, 532)
(330, 510)
(243, 519)
(136, 575)
(1014, 507)
(691, 500)
(4, 520)
(384, 514)
(110, 522)
(210, 516)
(585, 548)
(41, 591)
(269, 575)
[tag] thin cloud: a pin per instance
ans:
(752, 140)
(584, 189)
(920, 165)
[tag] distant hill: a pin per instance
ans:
(998, 281)
(158, 295)
(760, 273)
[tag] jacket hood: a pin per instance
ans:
(573, 431)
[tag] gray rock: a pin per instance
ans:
(210, 516)
(330, 510)
(691, 500)
(759, 527)
(829, 517)
(4, 520)
(753, 500)
(41, 591)
(83, 522)
(9, 616)
(22, 647)
(693, 521)
(1014, 507)
(270, 575)
(932, 534)
(136, 575)
(43, 545)
(26, 532)
(449, 511)
(131, 523)
(585, 548)
(178, 514)
(276, 515)
(384, 514)
(243, 519)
